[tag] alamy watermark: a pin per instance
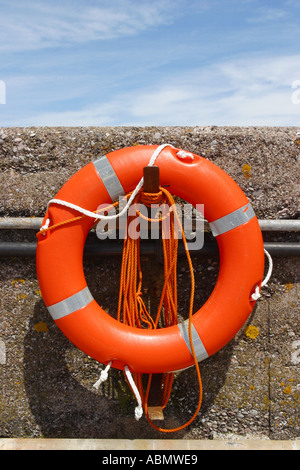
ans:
(2, 352)
(141, 222)
(2, 92)
(296, 93)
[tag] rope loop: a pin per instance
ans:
(139, 409)
(97, 214)
(256, 294)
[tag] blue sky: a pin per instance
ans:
(149, 63)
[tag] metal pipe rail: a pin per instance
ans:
(111, 247)
(34, 223)
(114, 248)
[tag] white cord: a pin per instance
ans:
(108, 217)
(44, 227)
(185, 155)
(256, 295)
(103, 376)
(139, 409)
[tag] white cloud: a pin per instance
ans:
(266, 14)
(242, 92)
(37, 24)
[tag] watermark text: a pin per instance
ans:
(296, 93)
(2, 92)
(154, 222)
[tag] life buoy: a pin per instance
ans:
(59, 261)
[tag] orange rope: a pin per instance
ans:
(131, 308)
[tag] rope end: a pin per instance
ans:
(138, 412)
(103, 376)
(45, 226)
(256, 294)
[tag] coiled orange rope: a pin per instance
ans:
(131, 307)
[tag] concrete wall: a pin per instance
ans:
(251, 387)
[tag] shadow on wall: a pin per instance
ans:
(59, 384)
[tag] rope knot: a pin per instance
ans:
(103, 376)
(138, 412)
(186, 156)
(256, 295)
(151, 198)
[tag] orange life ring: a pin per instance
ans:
(63, 284)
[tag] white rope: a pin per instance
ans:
(46, 225)
(185, 155)
(103, 376)
(139, 409)
(102, 216)
(256, 295)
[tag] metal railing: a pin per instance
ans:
(149, 247)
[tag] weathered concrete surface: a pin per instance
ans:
(36, 162)
(251, 387)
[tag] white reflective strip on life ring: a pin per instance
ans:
(77, 301)
(199, 348)
(109, 177)
(232, 220)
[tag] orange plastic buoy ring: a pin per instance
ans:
(64, 289)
